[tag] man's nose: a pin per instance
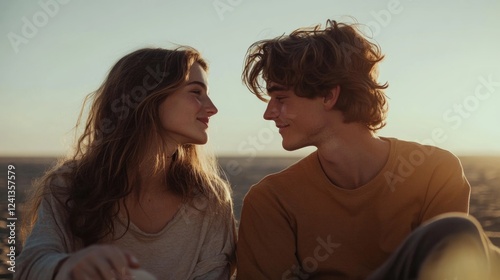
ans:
(272, 111)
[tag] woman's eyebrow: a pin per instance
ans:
(198, 83)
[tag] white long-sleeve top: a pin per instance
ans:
(196, 244)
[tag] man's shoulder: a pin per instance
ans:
(288, 179)
(423, 152)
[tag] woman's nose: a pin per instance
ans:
(210, 107)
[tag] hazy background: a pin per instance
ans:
(441, 63)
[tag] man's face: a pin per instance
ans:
(300, 120)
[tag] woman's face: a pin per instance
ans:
(185, 114)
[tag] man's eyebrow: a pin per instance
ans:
(274, 88)
(198, 83)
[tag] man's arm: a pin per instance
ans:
(266, 242)
(448, 190)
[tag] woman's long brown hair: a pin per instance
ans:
(122, 123)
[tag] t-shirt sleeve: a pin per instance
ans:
(448, 190)
(46, 246)
(266, 246)
(217, 252)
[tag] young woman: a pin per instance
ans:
(138, 191)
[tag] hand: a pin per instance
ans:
(97, 262)
(139, 274)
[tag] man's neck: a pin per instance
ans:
(352, 159)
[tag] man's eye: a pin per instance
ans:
(196, 92)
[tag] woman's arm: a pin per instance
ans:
(217, 257)
(47, 245)
(50, 251)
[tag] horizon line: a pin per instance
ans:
(229, 155)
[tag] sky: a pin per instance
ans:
(442, 65)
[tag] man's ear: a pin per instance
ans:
(331, 98)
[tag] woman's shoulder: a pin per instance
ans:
(56, 182)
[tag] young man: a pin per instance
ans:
(343, 211)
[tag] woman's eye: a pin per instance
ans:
(196, 91)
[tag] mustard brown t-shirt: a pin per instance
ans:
(296, 224)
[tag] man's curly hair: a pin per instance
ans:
(312, 61)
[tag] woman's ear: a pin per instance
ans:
(330, 99)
